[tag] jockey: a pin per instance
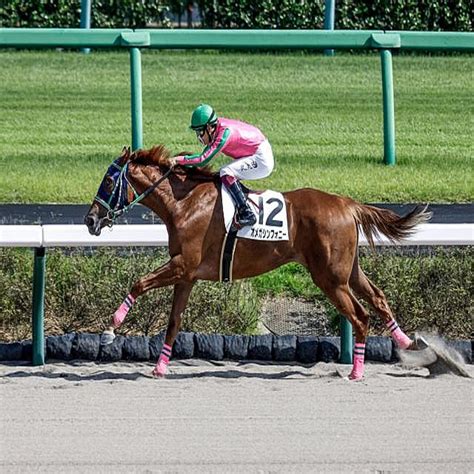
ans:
(244, 143)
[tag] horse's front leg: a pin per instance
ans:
(180, 300)
(168, 274)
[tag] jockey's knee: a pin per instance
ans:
(265, 171)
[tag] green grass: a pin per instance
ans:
(65, 116)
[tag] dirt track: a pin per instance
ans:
(84, 417)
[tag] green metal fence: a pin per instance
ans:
(134, 40)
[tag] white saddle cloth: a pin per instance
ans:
(270, 210)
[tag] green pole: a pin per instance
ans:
(329, 14)
(38, 305)
(136, 97)
(85, 19)
(346, 340)
(388, 107)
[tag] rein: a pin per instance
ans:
(121, 187)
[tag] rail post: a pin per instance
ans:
(329, 13)
(136, 97)
(388, 107)
(38, 305)
(86, 19)
(345, 328)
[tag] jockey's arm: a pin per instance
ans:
(202, 159)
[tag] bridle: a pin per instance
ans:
(121, 190)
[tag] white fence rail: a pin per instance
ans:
(74, 235)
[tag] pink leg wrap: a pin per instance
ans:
(124, 308)
(400, 338)
(163, 361)
(358, 367)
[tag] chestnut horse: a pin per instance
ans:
(323, 237)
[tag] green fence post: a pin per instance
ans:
(329, 13)
(346, 340)
(136, 97)
(85, 19)
(388, 107)
(38, 305)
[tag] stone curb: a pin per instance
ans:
(304, 349)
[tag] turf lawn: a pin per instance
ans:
(64, 116)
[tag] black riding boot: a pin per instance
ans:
(245, 216)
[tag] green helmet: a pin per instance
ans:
(203, 115)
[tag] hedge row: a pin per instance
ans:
(350, 14)
(67, 13)
(437, 15)
(427, 292)
(83, 291)
(427, 289)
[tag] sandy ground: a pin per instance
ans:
(230, 417)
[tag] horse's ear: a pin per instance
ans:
(125, 155)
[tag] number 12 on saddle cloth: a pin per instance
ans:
(270, 209)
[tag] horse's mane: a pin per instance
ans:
(159, 156)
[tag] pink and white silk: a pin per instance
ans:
(244, 139)
(234, 138)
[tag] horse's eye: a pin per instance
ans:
(109, 184)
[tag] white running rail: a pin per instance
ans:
(149, 235)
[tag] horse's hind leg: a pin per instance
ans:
(366, 290)
(330, 269)
(348, 305)
(340, 295)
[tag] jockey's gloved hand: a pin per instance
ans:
(174, 161)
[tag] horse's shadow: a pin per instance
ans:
(237, 374)
(70, 377)
(108, 375)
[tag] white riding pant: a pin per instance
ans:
(256, 166)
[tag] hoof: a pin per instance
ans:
(157, 374)
(160, 369)
(106, 338)
(420, 343)
(413, 346)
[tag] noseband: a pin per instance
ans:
(121, 185)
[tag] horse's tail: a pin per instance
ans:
(375, 221)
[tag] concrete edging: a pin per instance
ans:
(267, 347)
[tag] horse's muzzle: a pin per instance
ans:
(93, 224)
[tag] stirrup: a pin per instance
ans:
(245, 217)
